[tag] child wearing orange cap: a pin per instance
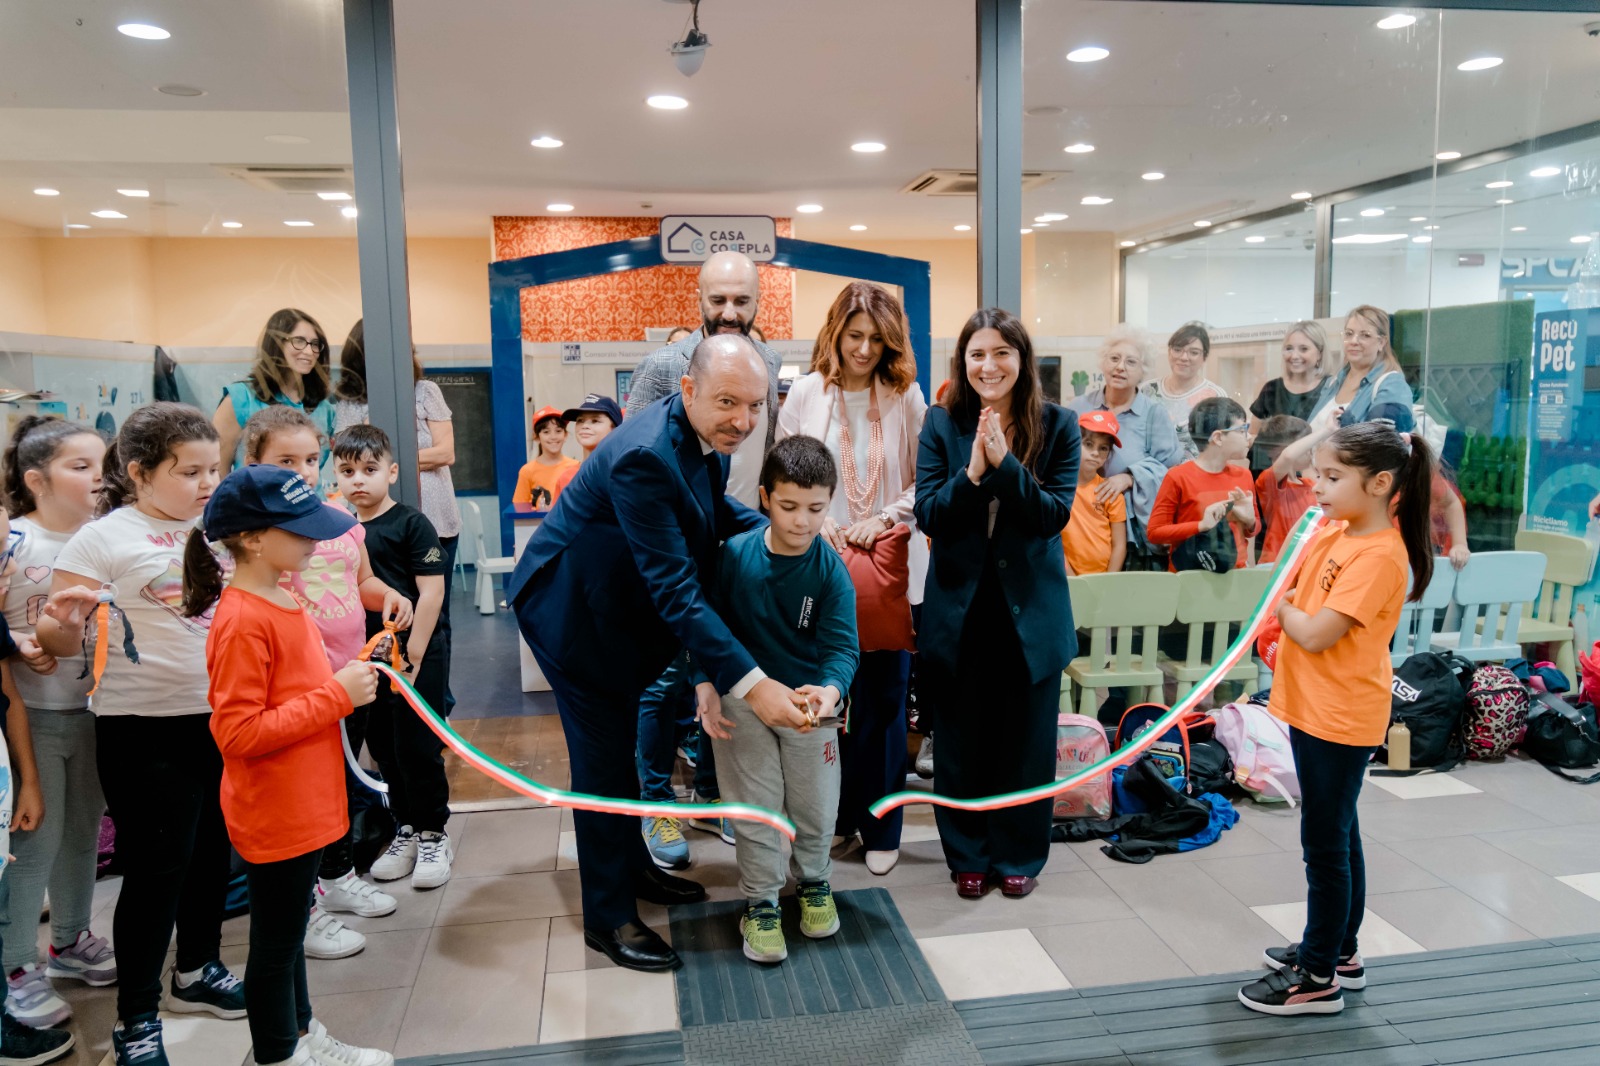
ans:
(1096, 538)
(539, 481)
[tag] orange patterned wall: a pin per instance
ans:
(618, 307)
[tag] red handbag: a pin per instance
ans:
(882, 578)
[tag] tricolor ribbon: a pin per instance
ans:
(1282, 580)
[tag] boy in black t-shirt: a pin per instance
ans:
(406, 556)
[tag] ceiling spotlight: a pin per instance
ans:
(1026, 231)
(1498, 185)
(1152, 175)
(665, 102)
(1447, 156)
(546, 141)
(690, 53)
(1544, 172)
(1419, 218)
(333, 196)
(1430, 227)
(1255, 240)
(233, 225)
(1519, 229)
(47, 192)
(77, 225)
(1299, 196)
(1371, 212)
(867, 147)
(1088, 54)
(298, 223)
(1396, 22)
(1582, 238)
(108, 214)
(143, 31)
(348, 211)
(1042, 225)
(1202, 224)
(1480, 63)
(138, 193)
(1050, 216)
(1422, 239)
(1095, 201)
(1078, 149)
(1503, 202)
(808, 209)
(857, 228)
(962, 229)
(1128, 244)
(558, 207)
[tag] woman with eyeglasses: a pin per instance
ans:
(291, 368)
(1149, 441)
(1187, 351)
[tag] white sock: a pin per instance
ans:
(187, 979)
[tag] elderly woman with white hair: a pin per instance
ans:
(1149, 444)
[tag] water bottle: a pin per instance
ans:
(1399, 747)
(1585, 289)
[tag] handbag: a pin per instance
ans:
(881, 575)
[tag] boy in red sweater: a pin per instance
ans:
(1208, 490)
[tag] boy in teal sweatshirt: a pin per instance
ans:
(787, 597)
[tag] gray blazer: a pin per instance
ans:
(659, 373)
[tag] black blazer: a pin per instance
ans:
(1027, 538)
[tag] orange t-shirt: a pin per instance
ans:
(1185, 493)
(1281, 504)
(1086, 542)
(1342, 694)
(275, 711)
(542, 476)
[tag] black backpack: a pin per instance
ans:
(1210, 768)
(1563, 736)
(1429, 695)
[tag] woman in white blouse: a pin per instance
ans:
(862, 400)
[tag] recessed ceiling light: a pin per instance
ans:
(558, 207)
(233, 225)
(546, 142)
(857, 228)
(1370, 238)
(1078, 149)
(1026, 231)
(77, 225)
(1343, 219)
(962, 229)
(180, 90)
(1042, 225)
(867, 147)
(1498, 185)
(1430, 227)
(297, 222)
(1519, 229)
(1299, 196)
(286, 138)
(1480, 63)
(108, 213)
(348, 211)
(1095, 201)
(333, 196)
(1255, 240)
(1502, 202)
(1447, 156)
(1128, 244)
(1152, 175)
(808, 209)
(1582, 238)
(663, 102)
(1202, 224)
(1092, 53)
(1050, 216)
(1396, 22)
(138, 193)
(1422, 239)
(1419, 218)
(46, 192)
(143, 30)
(1544, 172)
(1371, 212)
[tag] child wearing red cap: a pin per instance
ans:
(539, 480)
(1096, 538)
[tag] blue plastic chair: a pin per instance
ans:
(1418, 620)
(1492, 592)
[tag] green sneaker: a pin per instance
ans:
(818, 915)
(762, 929)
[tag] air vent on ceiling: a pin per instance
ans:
(965, 182)
(295, 179)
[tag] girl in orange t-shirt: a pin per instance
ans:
(275, 714)
(1332, 687)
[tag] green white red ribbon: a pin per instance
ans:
(1282, 579)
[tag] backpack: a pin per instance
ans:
(1427, 694)
(1210, 767)
(1563, 736)
(1258, 743)
(1080, 742)
(1497, 712)
(1171, 750)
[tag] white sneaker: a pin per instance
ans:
(434, 856)
(328, 1051)
(329, 938)
(33, 1001)
(881, 862)
(924, 761)
(351, 895)
(399, 859)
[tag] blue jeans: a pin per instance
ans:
(670, 696)
(1330, 840)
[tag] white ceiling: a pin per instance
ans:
(1238, 105)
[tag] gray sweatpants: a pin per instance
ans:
(785, 771)
(61, 854)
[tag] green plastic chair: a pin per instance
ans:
(1209, 604)
(1115, 608)
(1569, 566)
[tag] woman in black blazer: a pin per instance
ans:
(997, 468)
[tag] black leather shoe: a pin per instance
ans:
(635, 946)
(657, 886)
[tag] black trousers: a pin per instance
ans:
(996, 733)
(275, 991)
(407, 752)
(1330, 776)
(872, 755)
(162, 779)
(450, 546)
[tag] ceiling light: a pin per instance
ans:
(1202, 224)
(1095, 201)
(143, 31)
(180, 90)
(808, 209)
(1042, 225)
(962, 229)
(1396, 22)
(1447, 156)
(867, 147)
(1128, 244)
(1088, 54)
(664, 102)
(77, 225)
(1519, 229)
(1152, 175)
(1342, 219)
(1050, 216)
(1371, 212)
(1078, 149)
(1026, 231)
(1430, 227)
(857, 228)
(1582, 238)
(1299, 196)
(1422, 239)
(558, 207)
(546, 141)
(1480, 63)
(46, 192)
(297, 222)
(1419, 218)
(140, 193)
(1502, 202)
(348, 211)
(1498, 185)
(1544, 172)
(1255, 240)
(1370, 238)
(333, 196)
(233, 225)
(108, 214)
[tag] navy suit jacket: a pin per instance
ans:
(954, 513)
(614, 581)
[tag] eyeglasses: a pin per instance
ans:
(13, 542)
(300, 344)
(1194, 353)
(1242, 427)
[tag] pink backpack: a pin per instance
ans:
(1497, 712)
(1258, 743)
(1080, 742)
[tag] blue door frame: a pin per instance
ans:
(509, 277)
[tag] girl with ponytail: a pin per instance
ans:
(1332, 686)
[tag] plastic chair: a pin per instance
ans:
(1569, 564)
(487, 565)
(1217, 601)
(1415, 631)
(1112, 607)
(1485, 616)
